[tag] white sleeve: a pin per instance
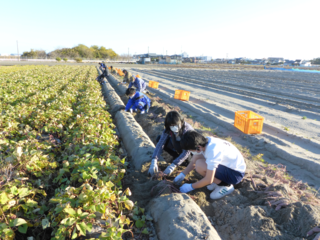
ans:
(214, 159)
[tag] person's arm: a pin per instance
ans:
(208, 179)
(139, 85)
(129, 104)
(181, 158)
(160, 145)
(130, 84)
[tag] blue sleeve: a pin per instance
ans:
(129, 104)
(130, 84)
(182, 157)
(160, 145)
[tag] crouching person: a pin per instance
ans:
(169, 140)
(128, 78)
(137, 101)
(139, 84)
(219, 162)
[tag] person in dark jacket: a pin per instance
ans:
(139, 84)
(128, 77)
(105, 73)
(137, 101)
(175, 128)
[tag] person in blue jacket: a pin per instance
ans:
(169, 140)
(137, 101)
(139, 84)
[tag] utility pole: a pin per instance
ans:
(128, 54)
(148, 51)
(18, 51)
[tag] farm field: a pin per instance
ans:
(268, 204)
(60, 169)
(289, 102)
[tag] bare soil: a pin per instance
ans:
(267, 204)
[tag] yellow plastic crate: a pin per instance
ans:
(248, 122)
(153, 84)
(182, 95)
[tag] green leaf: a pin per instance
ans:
(23, 228)
(82, 228)
(14, 190)
(68, 221)
(70, 211)
(17, 222)
(86, 175)
(83, 215)
(89, 227)
(145, 231)
(140, 224)
(23, 192)
(74, 233)
(3, 198)
(9, 233)
(45, 223)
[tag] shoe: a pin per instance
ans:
(212, 186)
(142, 112)
(222, 191)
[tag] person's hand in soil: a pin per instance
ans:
(178, 179)
(153, 167)
(169, 169)
(187, 187)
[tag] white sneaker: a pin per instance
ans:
(142, 112)
(212, 186)
(222, 191)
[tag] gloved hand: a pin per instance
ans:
(170, 169)
(178, 179)
(153, 167)
(131, 110)
(142, 112)
(187, 187)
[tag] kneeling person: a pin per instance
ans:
(218, 161)
(137, 100)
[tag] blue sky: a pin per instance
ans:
(239, 28)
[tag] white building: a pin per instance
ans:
(184, 55)
(4, 54)
(305, 63)
(204, 58)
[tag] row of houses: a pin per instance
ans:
(169, 59)
(184, 58)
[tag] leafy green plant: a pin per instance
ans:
(78, 60)
(286, 128)
(58, 59)
(65, 59)
(304, 117)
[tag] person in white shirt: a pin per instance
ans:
(219, 162)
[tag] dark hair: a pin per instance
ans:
(129, 91)
(191, 140)
(174, 118)
(124, 71)
(111, 66)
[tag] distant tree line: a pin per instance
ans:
(315, 61)
(80, 51)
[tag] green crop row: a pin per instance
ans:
(58, 164)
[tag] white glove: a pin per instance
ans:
(131, 110)
(187, 187)
(178, 179)
(153, 167)
(142, 112)
(170, 169)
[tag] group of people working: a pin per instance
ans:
(219, 162)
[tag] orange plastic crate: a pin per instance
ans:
(182, 95)
(248, 122)
(153, 84)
